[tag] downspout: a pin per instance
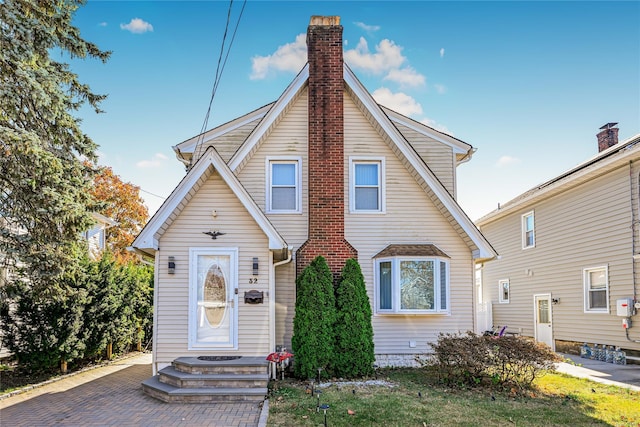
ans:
(634, 223)
(272, 298)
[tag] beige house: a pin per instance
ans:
(324, 170)
(570, 252)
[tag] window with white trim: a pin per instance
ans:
(283, 185)
(366, 189)
(503, 291)
(412, 285)
(528, 231)
(596, 290)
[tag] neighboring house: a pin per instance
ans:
(97, 236)
(327, 171)
(569, 251)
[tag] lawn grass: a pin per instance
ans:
(410, 397)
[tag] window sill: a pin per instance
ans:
(412, 313)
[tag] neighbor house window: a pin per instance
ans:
(596, 290)
(412, 285)
(503, 291)
(528, 231)
(366, 190)
(283, 185)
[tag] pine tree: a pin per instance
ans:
(312, 341)
(354, 352)
(44, 182)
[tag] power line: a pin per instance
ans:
(152, 194)
(219, 70)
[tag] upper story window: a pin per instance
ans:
(596, 290)
(528, 231)
(503, 291)
(283, 185)
(366, 189)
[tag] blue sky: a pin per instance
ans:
(528, 84)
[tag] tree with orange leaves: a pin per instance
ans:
(121, 202)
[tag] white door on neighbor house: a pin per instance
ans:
(212, 298)
(543, 322)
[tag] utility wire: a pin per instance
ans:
(219, 70)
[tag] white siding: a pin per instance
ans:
(586, 226)
(173, 291)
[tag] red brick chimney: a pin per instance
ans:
(326, 147)
(608, 136)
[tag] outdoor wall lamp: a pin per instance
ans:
(172, 265)
(555, 301)
(255, 266)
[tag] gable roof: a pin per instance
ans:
(267, 117)
(147, 240)
(603, 162)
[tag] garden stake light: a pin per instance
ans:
(324, 408)
(318, 393)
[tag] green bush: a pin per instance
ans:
(312, 341)
(354, 355)
(475, 360)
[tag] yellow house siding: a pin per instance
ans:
(411, 217)
(438, 156)
(186, 232)
(584, 227)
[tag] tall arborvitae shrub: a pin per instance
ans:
(313, 336)
(354, 354)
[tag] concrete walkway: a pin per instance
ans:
(627, 376)
(112, 396)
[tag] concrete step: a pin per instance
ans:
(171, 394)
(242, 365)
(176, 378)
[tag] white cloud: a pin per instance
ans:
(156, 161)
(440, 88)
(435, 125)
(290, 57)
(406, 77)
(388, 56)
(137, 26)
(367, 28)
(441, 52)
(400, 102)
(507, 161)
(102, 24)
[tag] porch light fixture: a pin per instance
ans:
(255, 266)
(172, 265)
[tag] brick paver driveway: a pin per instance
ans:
(112, 396)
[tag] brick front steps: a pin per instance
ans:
(190, 380)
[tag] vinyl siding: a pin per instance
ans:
(586, 226)
(288, 138)
(411, 217)
(438, 156)
(185, 232)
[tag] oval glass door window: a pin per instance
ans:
(215, 296)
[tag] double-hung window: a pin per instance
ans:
(283, 185)
(418, 285)
(528, 231)
(596, 290)
(366, 189)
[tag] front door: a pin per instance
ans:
(543, 329)
(213, 299)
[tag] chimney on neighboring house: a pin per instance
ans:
(608, 136)
(326, 147)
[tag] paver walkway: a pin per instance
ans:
(112, 396)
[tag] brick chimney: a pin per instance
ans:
(326, 147)
(608, 136)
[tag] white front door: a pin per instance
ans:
(212, 298)
(544, 327)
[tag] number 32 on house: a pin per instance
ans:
(253, 280)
